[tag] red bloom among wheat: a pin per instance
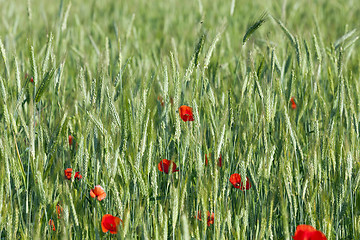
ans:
(68, 173)
(235, 180)
(186, 113)
(71, 139)
(110, 223)
(59, 210)
(52, 224)
(210, 218)
(164, 166)
(307, 232)
(219, 163)
(293, 104)
(98, 192)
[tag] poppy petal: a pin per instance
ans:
(235, 180)
(68, 173)
(308, 232)
(70, 140)
(78, 176)
(165, 164)
(220, 161)
(110, 223)
(103, 222)
(101, 196)
(98, 192)
(92, 194)
(293, 104)
(186, 113)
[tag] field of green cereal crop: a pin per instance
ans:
(94, 143)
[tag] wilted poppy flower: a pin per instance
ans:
(307, 232)
(171, 101)
(98, 192)
(59, 210)
(71, 138)
(293, 104)
(210, 218)
(68, 173)
(52, 224)
(110, 223)
(164, 166)
(186, 113)
(161, 100)
(235, 180)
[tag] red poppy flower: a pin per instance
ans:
(293, 104)
(164, 166)
(52, 224)
(32, 79)
(235, 180)
(71, 138)
(206, 160)
(307, 232)
(186, 113)
(68, 173)
(210, 218)
(110, 223)
(98, 192)
(59, 210)
(78, 176)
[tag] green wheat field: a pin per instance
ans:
(96, 86)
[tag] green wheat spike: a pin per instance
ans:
(342, 39)
(54, 143)
(257, 24)
(3, 54)
(260, 68)
(308, 57)
(198, 48)
(47, 55)
(112, 109)
(287, 32)
(3, 91)
(317, 48)
(97, 123)
(34, 71)
(17, 77)
(298, 52)
(44, 84)
(66, 15)
(211, 49)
